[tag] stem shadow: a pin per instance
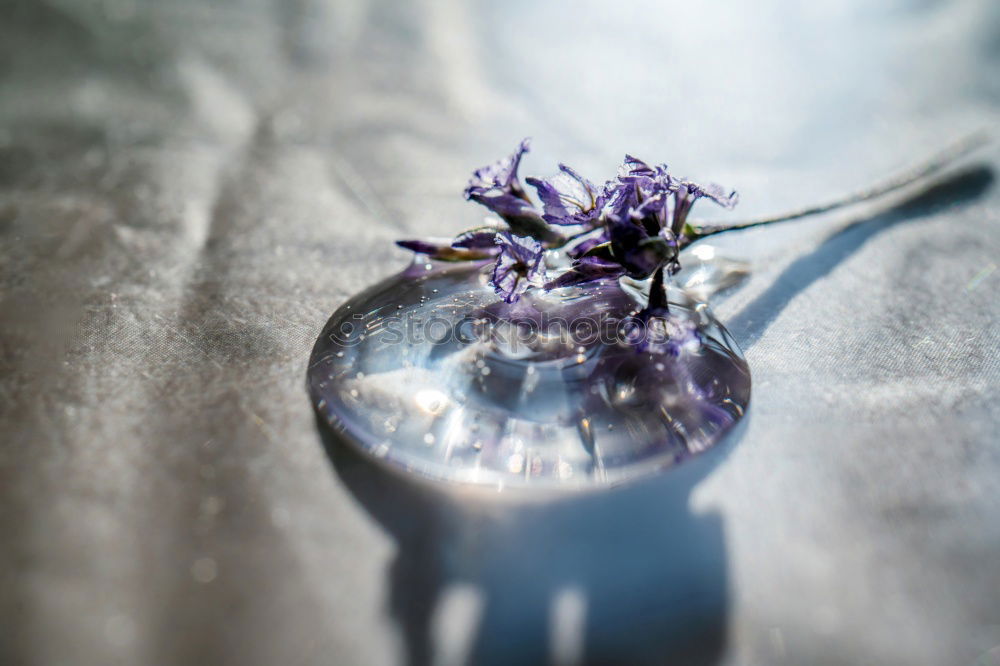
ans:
(959, 189)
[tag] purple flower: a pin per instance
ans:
(658, 197)
(652, 213)
(640, 193)
(635, 224)
(586, 269)
(444, 250)
(633, 169)
(587, 244)
(568, 198)
(619, 199)
(685, 193)
(639, 253)
(479, 238)
(518, 267)
(501, 175)
(497, 187)
(646, 212)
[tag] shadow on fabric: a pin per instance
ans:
(958, 189)
(644, 574)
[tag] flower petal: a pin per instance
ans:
(587, 269)
(686, 193)
(639, 253)
(567, 198)
(442, 250)
(587, 244)
(618, 199)
(716, 193)
(633, 167)
(480, 237)
(518, 266)
(501, 175)
(652, 212)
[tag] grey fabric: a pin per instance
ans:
(188, 189)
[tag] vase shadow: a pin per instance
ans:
(645, 576)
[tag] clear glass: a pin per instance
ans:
(430, 373)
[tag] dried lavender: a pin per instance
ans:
(635, 224)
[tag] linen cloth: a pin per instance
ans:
(189, 189)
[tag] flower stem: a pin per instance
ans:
(657, 291)
(928, 167)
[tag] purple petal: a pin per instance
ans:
(638, 252)
(567, 198)
(687, 192)
(583, 185)
(519, 266)
(652, 212)
(582, 247)
(716, 193)
(525, 250)
(552, 203)
(505, 278)
(586, 270)
(502, 203)
(633, 167)
(500, 176)
(442, 249)
(423, 246)
(619, 198)
(483, 237)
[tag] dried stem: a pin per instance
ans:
(928, 167)
(657, 291)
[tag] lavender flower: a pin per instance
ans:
(587, 244)
(568, 198)
(445, 250)
(658, 199)
(620, 198)
(518, 267)
(685, 193)
(637, 251)
(635, 224)
(499, 177)
(586, 269)
(497, 187)
(633, 169)
(479, 238)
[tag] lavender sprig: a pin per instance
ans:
(519, 266)
(636, 224)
